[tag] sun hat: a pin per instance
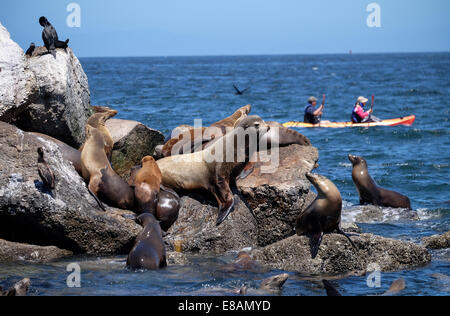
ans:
(311, 100)
(362, 100)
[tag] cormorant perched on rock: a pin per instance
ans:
(30, 50)
(239, 92)
(46, 174)
(50, 37)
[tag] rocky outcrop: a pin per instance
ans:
(132, 142)
(195, 230)
(11, 251)
(337, 256)
(43, 94)
(70, 221)
(277, 198)
(437, 241)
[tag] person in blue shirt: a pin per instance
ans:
(313, 115)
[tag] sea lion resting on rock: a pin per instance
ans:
(104, 183)
(211, 168)
(149, 252)
(323, 215)
(98, 121)
(368, 190)
(168, 207)
(146, 186)
(187, 139)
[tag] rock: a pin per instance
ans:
(11, 251)
(72, 221)
(437, 241)
(18, 86)
(177, 258)
(195, 230)
(337, 256)
(43, 94)
(277, 199)
(132, 142)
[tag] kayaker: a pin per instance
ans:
(313, 115)
(358, 114)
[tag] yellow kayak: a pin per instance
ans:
(408, 121)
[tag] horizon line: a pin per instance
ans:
(275, 54)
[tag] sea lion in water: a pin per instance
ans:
(104, 183)
(331, 290)
(19, 289)
(50, 37)
(323, 215)
(149, 252)
(98, 120)
(45, 173)
(201, 170)
(69, 153)
(368, 190)
(168, 207)
(146, 186)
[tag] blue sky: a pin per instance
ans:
(234, 27)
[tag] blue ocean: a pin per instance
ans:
(166, 92)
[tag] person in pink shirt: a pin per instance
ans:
(358, 114)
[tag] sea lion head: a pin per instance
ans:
(274, 283)
(43, 21)
(94, 133)
(148, 160)
(146, 219)
(255, 122)
(323, 185)
(356, 160)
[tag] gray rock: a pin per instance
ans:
(337, 256)
(11, 251)
(72, 221)
(43, 94)
(437, 241)
(195, 230)
(278, 198)
(132, 142)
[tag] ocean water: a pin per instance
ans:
(166, 92)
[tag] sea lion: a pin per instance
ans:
(69, 153)
(30, 50)
(331, 290)
(323, 215)
(146, 186)
(98, 121)
(149, 252)
(19, 289)
(368, 190)
(271, 285)
(230, 122)
(243, 262)
(168, 207)
(104, 183)
(201, 170)
(50, 37)
(45, 173)
(278, 136)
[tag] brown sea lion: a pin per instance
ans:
(168, 207)
(69, 153)
(98, 121)
(45, 173)
(211, 168)
(149, 252)
(278, 136)
(104, 183)
(368, 190)
(323, 215)
(331, 290)
(146, 186)
(233, 120)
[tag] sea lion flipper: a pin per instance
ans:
(331, 290)
(224, 212)
(340, 232)
(100, 204)
(314, 243)
(249, 168)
